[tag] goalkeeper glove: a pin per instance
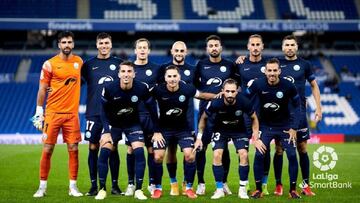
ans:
(38, 118)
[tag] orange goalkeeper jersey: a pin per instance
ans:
(63, 77)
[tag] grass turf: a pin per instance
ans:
(19, 169)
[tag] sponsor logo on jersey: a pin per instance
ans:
(104, 79)
(125, 111)
(214, 81)
(272, 106)
(290, 78)
(175, 112)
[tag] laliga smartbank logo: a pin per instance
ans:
(325, 159)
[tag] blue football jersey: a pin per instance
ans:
(230, 118)
(210, 76)
(121, 107)
(148, 74)
(298, 72)
(274, 101)
(96, 73)
(249, 71)
(174, 106)
(187, 72)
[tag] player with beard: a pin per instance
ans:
(227, 114)
(298, 71)
(279, 106)
(60, 80)
(210, 74)
(96, 72)
(187, 73)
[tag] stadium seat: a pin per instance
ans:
(130, 9)
(218, 10)
(317, 10)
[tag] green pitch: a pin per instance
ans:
(19, 166)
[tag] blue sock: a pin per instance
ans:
(103, 166)
(258, 169)
(305, 166)
(171, 167)
(278, 164)
(151, 166)
(200, 165)
(158, 169)
(226, 163)
(244, 172)
(130, 164)
(293, 167)
(190, 169)
(92, 163)
(114, 162)
(139, 166)
(267, 162)
(219, 175)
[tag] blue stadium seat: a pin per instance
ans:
(38, 9)
(218, 10)
(130, 9)
(317, 10)
(9, 63)
(352, 62)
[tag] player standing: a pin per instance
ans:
(227, 114)
(60, 78)
(279, 104)
(298, 71)
(96, 72)
(211, 73)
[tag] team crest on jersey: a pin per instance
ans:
(279, 94)
(238, 113)
(88, 134)
(296, 68)
(182, 98)
(76, 65)
(262, 69)
(134, 98)
(148, 72)
(187, 72)
(112, 67)
(223, 69)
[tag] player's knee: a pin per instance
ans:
(158, 157)
(302, 147)
(93, 146)
(189, 157)
(279, 150)
(72, 147)
(129, 150)
(48, 148)
(243, 154)
(217, 157)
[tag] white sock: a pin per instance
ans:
(243, 182)
(43, 184)
(72, 183)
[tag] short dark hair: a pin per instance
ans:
(255, 36)
(65, 34)
(290, 37)
(103, 35)
(127, 63)
(142, 40)
(172, 67)
(230, 81)
(213, 37)
(273, 61)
